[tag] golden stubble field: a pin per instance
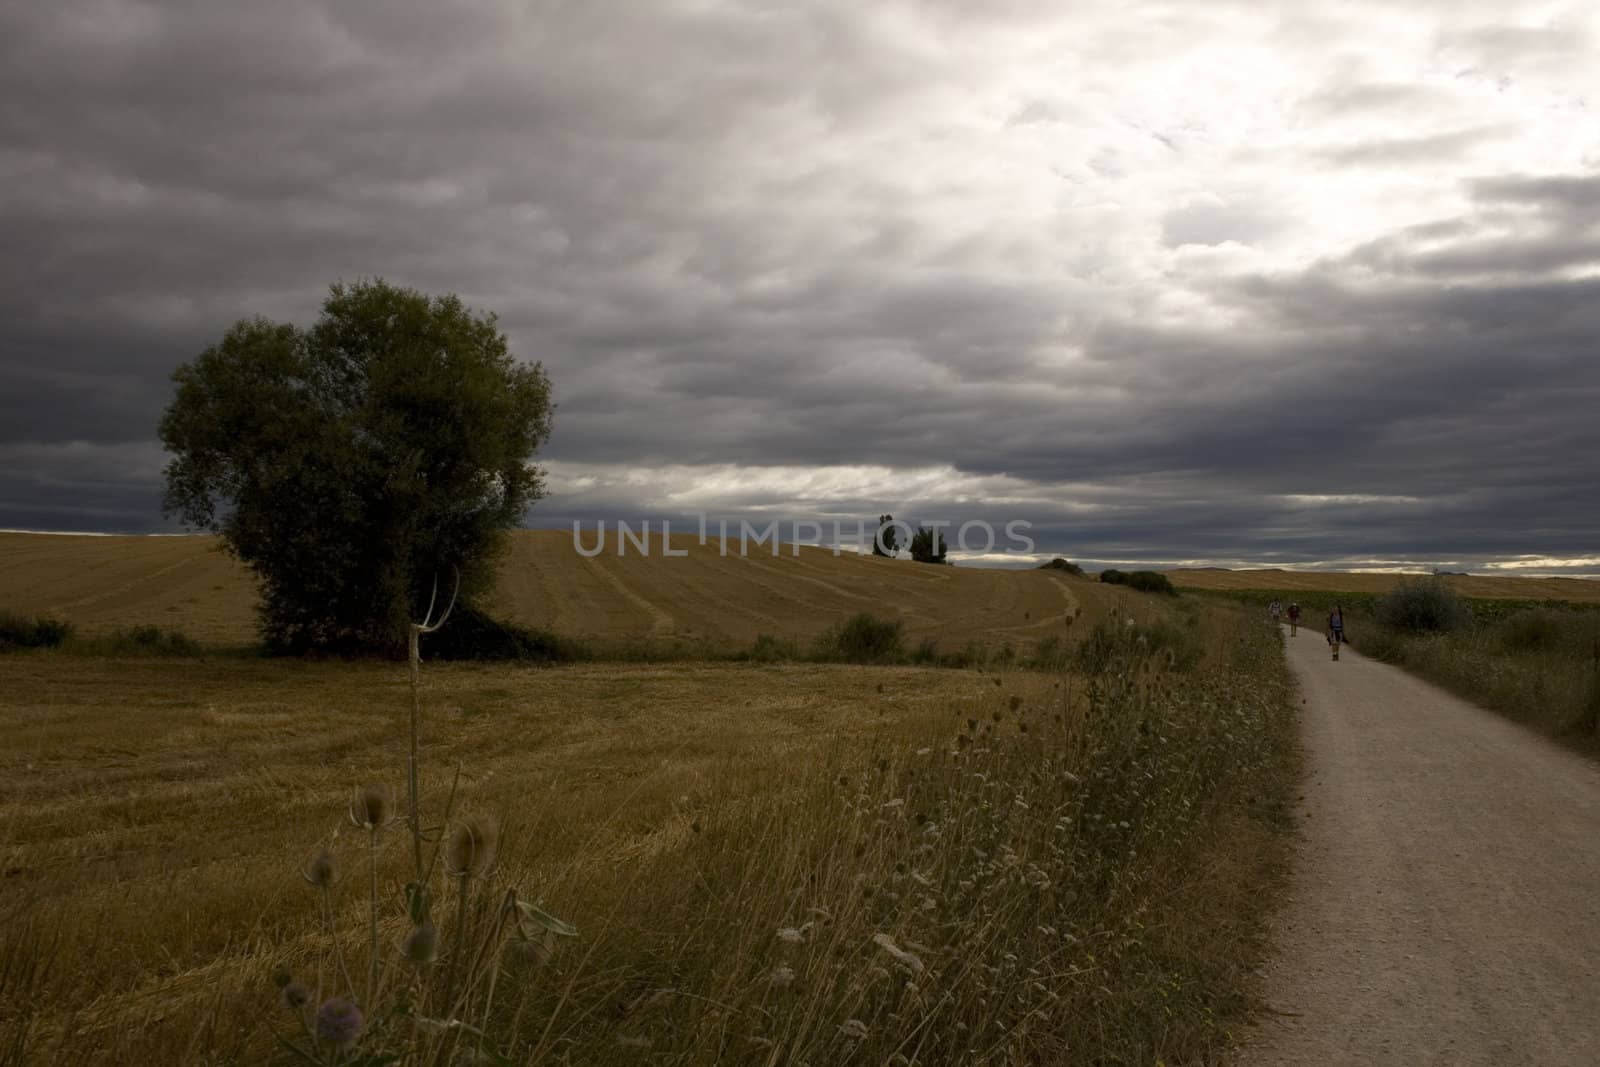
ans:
(711, 828)
(189, 584)
(154, 815)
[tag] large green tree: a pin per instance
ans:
(352, 464)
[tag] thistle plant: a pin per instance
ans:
(370, 808)
(411, 1010)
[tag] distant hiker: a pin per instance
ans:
(1336, 627)
(1275, 609)
(1294, 619)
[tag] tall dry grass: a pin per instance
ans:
(1540, 666)
(1071, 879)
(766, 865)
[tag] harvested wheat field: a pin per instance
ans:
(191, 585)
(763, 864)
(155, 815)
(1475, 586)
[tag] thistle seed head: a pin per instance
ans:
(371, 806)
(322, 870)
(339, 1023)
(421, 945)
(470, 849)
(295, 995)
(533, 952)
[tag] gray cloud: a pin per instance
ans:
(1338, 101)
(1433, 148)
(1178, 284)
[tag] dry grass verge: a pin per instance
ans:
(1539, 666)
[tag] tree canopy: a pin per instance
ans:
(888, 534)
(351, 464)
(928, 546)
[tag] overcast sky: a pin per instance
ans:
(1194, 282)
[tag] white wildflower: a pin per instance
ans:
(900, 955)
(794, 935)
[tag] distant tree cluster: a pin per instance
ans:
(352, 464)
(927, 545)
(1059, 564)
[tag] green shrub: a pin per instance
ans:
(159, 642)
(975, 654)
(1383, 644)
(1150, 582)
(1117, 641)
(1537, 629)
(1426, 605)
(1109, 639)
(1059, 564)
(1050, 654)
(1143, 581)
(771, 649)
(474, 635)
(862, 638)
(927, 652)
(1180, 643)
(138, 641)
(31, 631)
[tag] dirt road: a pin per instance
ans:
(1446, 905)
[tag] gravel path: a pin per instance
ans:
(1446, 902)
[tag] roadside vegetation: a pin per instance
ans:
(863, 638)
(759, 863)
(1536, 661)
(18, 632)
(1537, 664)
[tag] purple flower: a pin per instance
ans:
(339, 1023)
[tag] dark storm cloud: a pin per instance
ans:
(1574, 197)
(880, 239)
